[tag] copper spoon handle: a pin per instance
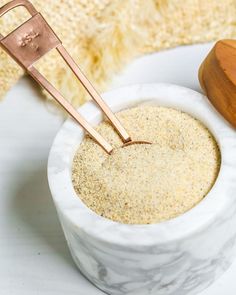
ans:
(31, 41)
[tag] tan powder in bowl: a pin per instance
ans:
(141, 183)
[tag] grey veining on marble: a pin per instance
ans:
(177, 257)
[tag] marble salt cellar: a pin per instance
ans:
(176, 257)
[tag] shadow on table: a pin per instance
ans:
(32, 204)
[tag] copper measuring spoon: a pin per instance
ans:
(35, 38)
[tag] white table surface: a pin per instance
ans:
(34, 258)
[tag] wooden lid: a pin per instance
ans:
(217, 76)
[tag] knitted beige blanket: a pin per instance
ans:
(103, 35)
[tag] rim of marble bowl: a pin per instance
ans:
(202, 215)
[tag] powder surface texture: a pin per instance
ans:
(147, 183)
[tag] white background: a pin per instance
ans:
(34, 258)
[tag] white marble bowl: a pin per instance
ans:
(179, 256)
